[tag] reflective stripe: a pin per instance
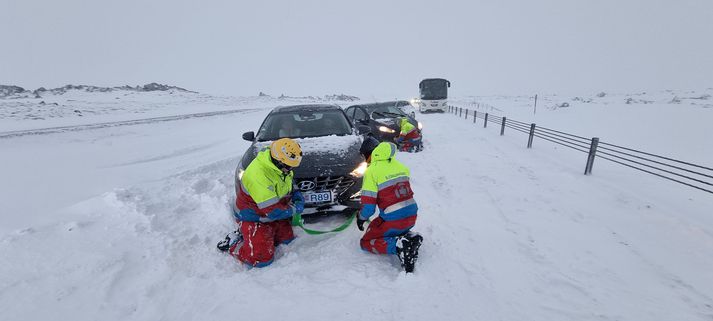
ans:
(399, 205)
(393, 150)
(368, 193)
(393, 181)
(268, 203)
(242, 187)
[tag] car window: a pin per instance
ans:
(385, 111)
(359, 114)
(299, 124)
(350, 113)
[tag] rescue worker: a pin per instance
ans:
(265, 205)
(386, 186)
(409, 138)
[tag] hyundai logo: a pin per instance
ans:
(306, 185)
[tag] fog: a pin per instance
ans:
(366, 48)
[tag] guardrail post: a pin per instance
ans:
(475, 115)
(532, 135)
(461, 112)
(466, 113)
(502, 127)
(592, 153)
(486, 121)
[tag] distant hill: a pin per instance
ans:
(19, 92)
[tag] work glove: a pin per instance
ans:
(299, 201)
(360, 223)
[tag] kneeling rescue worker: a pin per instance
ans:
(386, 185)
(409, 138)
(265, 205)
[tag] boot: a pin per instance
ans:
(230, 240)
(407, 250)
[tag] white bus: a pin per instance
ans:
(434, 95)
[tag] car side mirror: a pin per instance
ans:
(249, 136)
(364, 129)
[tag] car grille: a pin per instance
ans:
(337, 184)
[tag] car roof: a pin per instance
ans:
(309, 107)
(398, 103)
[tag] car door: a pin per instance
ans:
(350, 113)
(360, 116)
(363, 118)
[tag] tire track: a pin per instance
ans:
(75, 128)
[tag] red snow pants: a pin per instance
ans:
(380, 236)
(409, 142)
(260, 240)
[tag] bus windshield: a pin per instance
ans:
(434, 89)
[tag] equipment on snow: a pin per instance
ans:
(236, 236)
(298, 221)
(407, 250)
(231, 239)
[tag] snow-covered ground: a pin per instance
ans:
(121, 222)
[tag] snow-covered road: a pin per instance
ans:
(121, 223)
(74, 128)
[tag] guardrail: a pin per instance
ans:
(686, 173)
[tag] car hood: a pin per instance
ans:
(321, 156)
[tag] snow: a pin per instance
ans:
(338, 145)
(121, 222)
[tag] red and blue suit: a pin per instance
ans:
(386, 186)
(409, 136)
(263, 211)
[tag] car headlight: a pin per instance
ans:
(420, 126)
(359, 171)
(386, 129)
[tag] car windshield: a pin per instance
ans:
(386, 110)
(300, 124)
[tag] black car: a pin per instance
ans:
(382, 118)
(331, 170)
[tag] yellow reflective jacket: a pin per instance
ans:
(264, 193)
(386, 185)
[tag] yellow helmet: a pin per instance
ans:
(286, 151)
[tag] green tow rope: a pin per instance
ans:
(297, 221)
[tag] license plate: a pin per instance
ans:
(317, 197)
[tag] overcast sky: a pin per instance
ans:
(381, 48)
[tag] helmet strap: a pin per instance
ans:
(281, 166)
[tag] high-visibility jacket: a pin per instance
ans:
(264, 193)
(386, 186)
(408, 130)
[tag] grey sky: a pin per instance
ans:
(365, 47)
